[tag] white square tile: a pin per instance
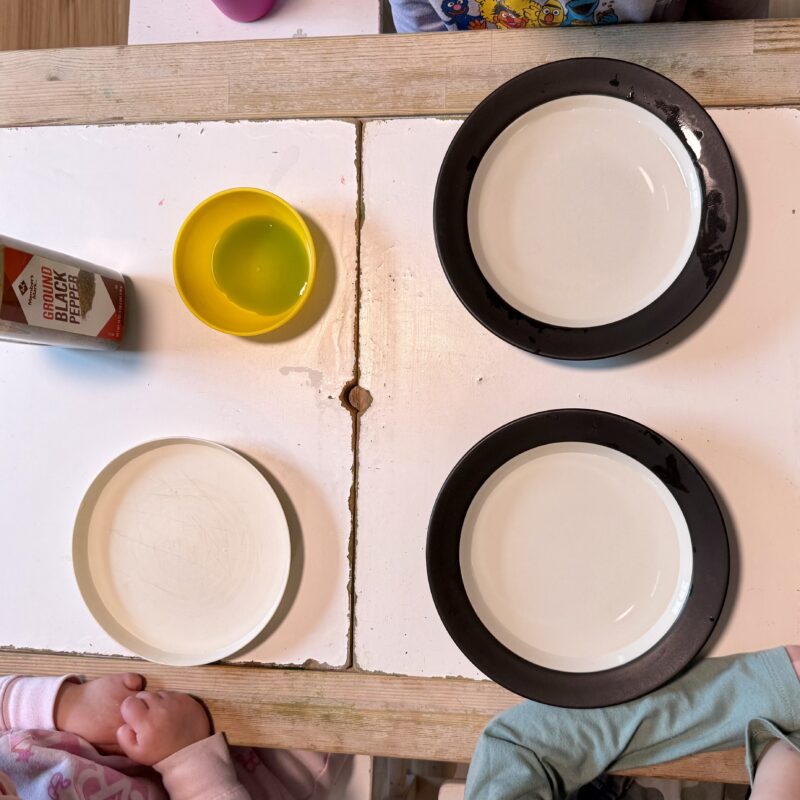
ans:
(116, 196)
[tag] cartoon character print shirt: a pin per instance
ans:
(436, 15)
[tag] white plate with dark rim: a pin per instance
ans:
(585, 208)
(578, 558)
(181, 551)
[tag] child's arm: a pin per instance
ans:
(202, 771)
(170, 732)
(542, 753)
(89, 710)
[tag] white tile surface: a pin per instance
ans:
(116, 196)
(726, 393)
(156, 21)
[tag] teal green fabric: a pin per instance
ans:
(540, 752)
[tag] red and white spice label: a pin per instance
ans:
(44, 293)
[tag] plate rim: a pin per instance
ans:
(707, 529)
(626, 81)
(82, 572)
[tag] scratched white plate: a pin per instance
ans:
(181, 551)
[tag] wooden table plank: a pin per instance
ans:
(722, 767)
(26, 24)
(747, 63)
(346, 712)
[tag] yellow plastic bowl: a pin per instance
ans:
(194, 249)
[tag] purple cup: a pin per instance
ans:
(244, 10)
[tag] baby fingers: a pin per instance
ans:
(126, 739)
(134, 710)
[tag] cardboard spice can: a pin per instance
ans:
(55, 299)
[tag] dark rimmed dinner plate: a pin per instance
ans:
(585, 208)
(577, 558)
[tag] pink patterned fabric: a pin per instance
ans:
(62, 766)
(39, 762)
(287, 774)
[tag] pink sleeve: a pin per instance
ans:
(202, 771)
(28, 703)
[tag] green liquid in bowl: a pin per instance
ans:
(261, 264)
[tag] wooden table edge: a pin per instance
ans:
(345, 711)
(747, 63)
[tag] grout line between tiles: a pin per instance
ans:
(356, 414)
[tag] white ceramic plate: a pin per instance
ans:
(576, 557)
(584, 211)
(181, 551)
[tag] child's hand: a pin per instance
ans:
(92, 709)
(159, 724)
